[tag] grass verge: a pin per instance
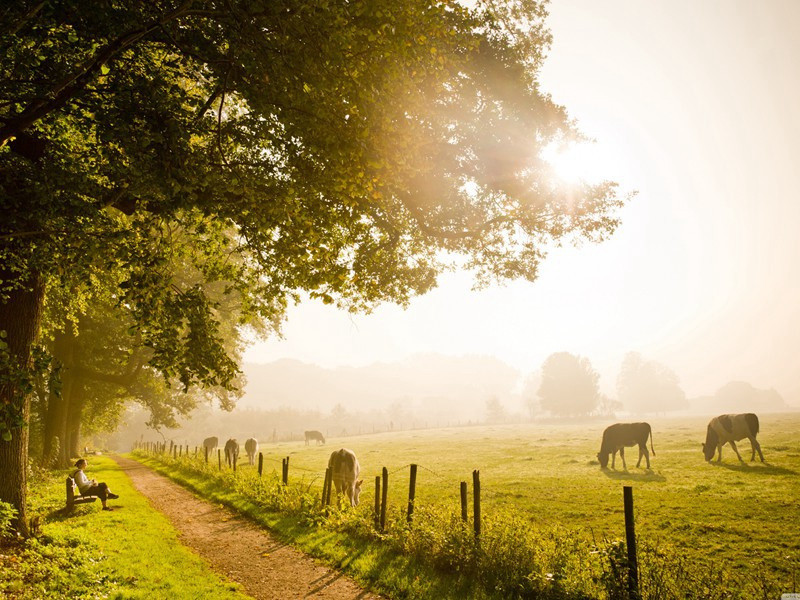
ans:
(130, 552)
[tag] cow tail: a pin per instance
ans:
(752, 423)
(653, 450)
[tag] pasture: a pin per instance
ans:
(549, 475)
(552, 519)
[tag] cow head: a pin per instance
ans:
(710, 445)
(357, 491)
(602, 457)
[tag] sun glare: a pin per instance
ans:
(576, 163)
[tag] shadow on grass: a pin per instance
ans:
(755, 468)
(62, 514)
(646, 476)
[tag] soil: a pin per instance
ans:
(235, 547)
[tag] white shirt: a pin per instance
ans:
(82, 481)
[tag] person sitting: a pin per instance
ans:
(90, 487)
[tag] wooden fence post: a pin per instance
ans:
(235, 456)
(330, 486)
(412, 492)
(260, 463)
(170, 446)
(286, 471)
(205, 448)
(630, 542)
(377, 501)
(464, 501)
(219, 458)
(175, 451)
(384, 494)
(476, 498)
(325, 485)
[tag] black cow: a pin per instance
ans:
(619, 435)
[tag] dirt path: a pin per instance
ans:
(266, 568)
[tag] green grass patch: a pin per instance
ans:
(130, 552)
(552, 520)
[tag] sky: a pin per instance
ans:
(694, 106)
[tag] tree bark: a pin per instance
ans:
(74, 416)
(20, 318)
(58, 405)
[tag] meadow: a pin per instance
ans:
(132, 552)
(727, 522)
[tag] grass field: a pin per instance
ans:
(549, 473)
(130, 552)
(742, 516)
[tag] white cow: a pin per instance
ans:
(251, 447)
(344, 474)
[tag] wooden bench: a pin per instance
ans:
(72, 499)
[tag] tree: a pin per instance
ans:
(647, 386)
(569, 385)
(495, 411)
(352, 149)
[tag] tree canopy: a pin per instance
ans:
(648, 386)
(345, 150)
(569, 385)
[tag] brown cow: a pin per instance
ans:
(231, 451)
(729, 429)
(314, 435)
(344, 474)
(619, 435)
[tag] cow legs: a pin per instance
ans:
(614, 460)
(735, 449)
(622, 456)
(756, 447)
(643, 452)
(719, 452)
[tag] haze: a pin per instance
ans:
(694, 106)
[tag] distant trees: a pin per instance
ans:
(740, 396)
(648, 387)
(569, 385)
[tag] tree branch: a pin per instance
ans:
(68, 87)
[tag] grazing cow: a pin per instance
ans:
(619, 435)
(344, 474)
(231, 451)
(315, 435)
(729, 429)
(251, 447)
(210, 444)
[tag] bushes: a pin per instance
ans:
(7, 514)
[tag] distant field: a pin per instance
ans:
(730, 512)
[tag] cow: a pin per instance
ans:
(210, 444)
(344, 474)
(619, 435)
(315, 435)
(231, 451)
(729, 429)
(251, 447)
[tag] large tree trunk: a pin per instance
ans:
(20, 318)
(74, 416)
(58, 406)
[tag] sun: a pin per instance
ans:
(582, 162)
